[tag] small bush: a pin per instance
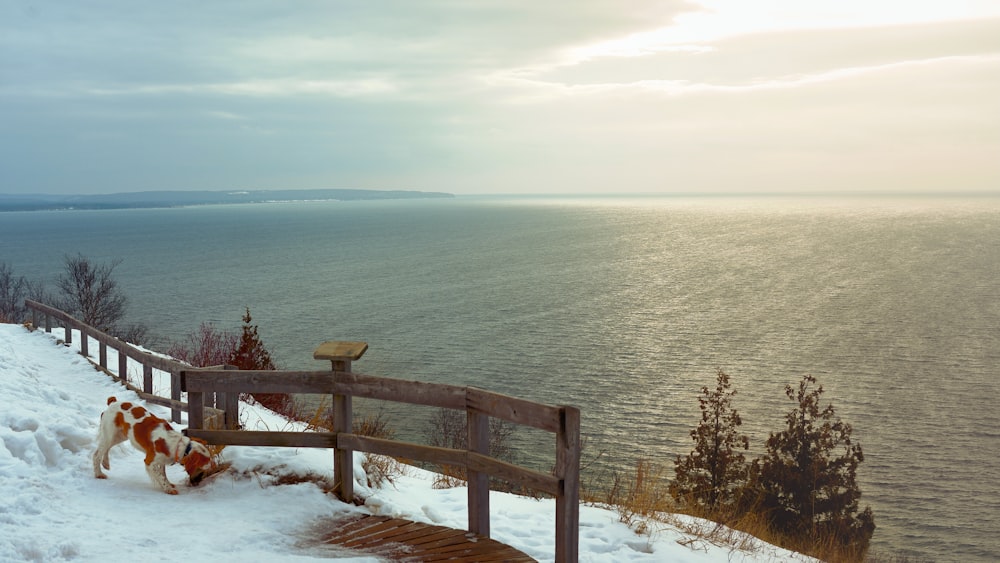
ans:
(380, 469)
(208, 346)
(448, 428)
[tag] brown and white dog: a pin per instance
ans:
(150, 434)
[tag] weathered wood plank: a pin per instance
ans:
(196, 410)
(515, 474)
(406, 450)
(478, 482)
(512, 409)
(123, 366)
(343, 457)
(335, 350)
(257, 381)
(400, 540)
(568, 500)
(401, 390)
(175, 394)
(380, 533)
(276, 439)
(327, 383)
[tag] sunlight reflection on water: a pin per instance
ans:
(623, 307)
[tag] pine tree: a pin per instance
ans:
(809, 474)
(716, 468)
(251, 353)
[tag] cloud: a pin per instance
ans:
(492, 95)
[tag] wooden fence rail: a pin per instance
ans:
(479, 405)
(216, 392)
(224, 405)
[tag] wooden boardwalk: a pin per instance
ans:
(403, 540)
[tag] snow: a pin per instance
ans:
(53, 509)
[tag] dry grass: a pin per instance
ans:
(641, 495)
(449, 477)
(380, 469)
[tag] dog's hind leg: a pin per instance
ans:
(108, 436)
(99, 457)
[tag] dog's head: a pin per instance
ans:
(197, 461)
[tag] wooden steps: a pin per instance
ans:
(403, 540)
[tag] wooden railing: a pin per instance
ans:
(220, 388)
(479, 405)
(224, 406)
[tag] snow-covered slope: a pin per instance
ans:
(53, 509)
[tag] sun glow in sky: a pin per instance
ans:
(593, 96)
(716, 20)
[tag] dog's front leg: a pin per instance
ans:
(158, 475)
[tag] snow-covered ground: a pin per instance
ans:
(52, 508)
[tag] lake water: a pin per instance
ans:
(624, 307)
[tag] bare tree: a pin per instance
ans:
(90, 291)
(207, 347)
(13, 291)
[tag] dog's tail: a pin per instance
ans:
(112, 399)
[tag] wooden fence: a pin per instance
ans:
(220, 388)
(224, 405)
(478, 404)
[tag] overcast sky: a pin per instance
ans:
(500, 96)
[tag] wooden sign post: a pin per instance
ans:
(341, 354)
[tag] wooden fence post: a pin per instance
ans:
(84, 343)
(122, 365)
(230, 405)
(104, 355)
(478, 483)
(196, 410)
(341, 354)
(568, 469)
(175, 394)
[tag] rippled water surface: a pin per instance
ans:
(622, 307)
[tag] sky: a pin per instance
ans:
(511, 96)
(53, 509)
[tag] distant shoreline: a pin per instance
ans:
(166, 199)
